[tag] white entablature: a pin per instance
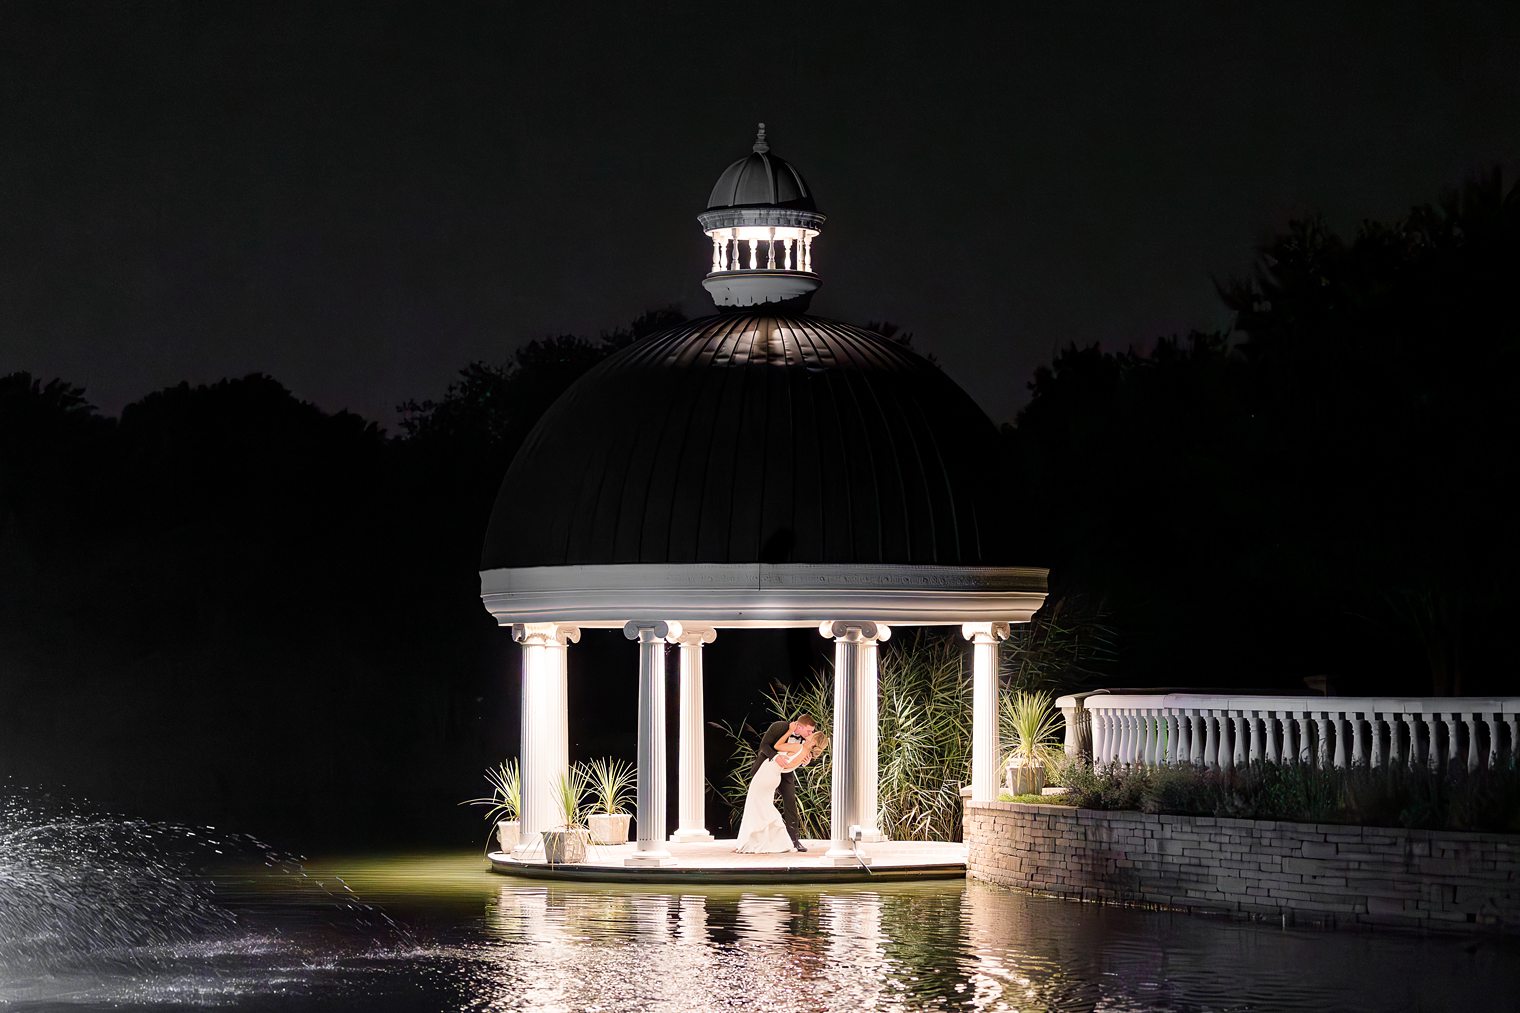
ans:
(762, 595)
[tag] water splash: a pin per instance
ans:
(111, 905)
(79, 885)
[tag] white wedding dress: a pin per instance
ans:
(762, 831)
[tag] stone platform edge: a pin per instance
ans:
(1317, 873)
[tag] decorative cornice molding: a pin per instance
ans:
(733, 218)
(762, 594)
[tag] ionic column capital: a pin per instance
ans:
(649, 631)
(691, 636)
(984, 633)
(854, 631)
(545, 634)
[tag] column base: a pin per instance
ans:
(649, 859)
(698, 836)
(535, 842)
(845, 856)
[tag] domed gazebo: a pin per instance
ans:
(758, 468)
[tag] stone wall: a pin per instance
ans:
(1320, 873)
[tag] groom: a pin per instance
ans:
(777, 733)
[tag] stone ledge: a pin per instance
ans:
(1331, 874)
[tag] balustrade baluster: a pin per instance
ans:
(1340, 740)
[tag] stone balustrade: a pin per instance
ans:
(1220, 731)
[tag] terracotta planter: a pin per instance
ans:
(609, 829)
(565, 847)
(1025, 777)
(508, 833)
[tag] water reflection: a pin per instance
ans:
(477, 941)
(971, 947)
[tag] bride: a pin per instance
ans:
(762, 831)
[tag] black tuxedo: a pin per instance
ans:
(767, 751)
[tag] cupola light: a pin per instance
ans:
(761, 221)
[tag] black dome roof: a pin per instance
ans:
(754, 438)
(761, 179)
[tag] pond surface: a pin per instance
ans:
(438, 932)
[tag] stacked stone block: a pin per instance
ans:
(1320, 873)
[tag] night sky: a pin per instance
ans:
(360, 198)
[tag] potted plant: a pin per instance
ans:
(566, 844)
(611, 784)
(1030, 722)
(504, 803)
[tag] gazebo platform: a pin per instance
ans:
(717, 862)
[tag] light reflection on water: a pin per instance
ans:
(476, 941)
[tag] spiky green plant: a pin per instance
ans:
(570, 798)
(923, 736)
(1030, 723)
(923, 740)
(611, 784)
(505, 800)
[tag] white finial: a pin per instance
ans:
(760, 144)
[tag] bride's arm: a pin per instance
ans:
(800, 753)
(791, 761)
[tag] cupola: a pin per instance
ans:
(762, 221)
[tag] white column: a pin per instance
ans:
(651, 636)
(849, 764)
(544, 746)
(770, 249)
(870, 750)
(691, 761)
(985, 750)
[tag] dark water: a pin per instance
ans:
(441, 933)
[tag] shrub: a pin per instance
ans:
(1452, 799)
